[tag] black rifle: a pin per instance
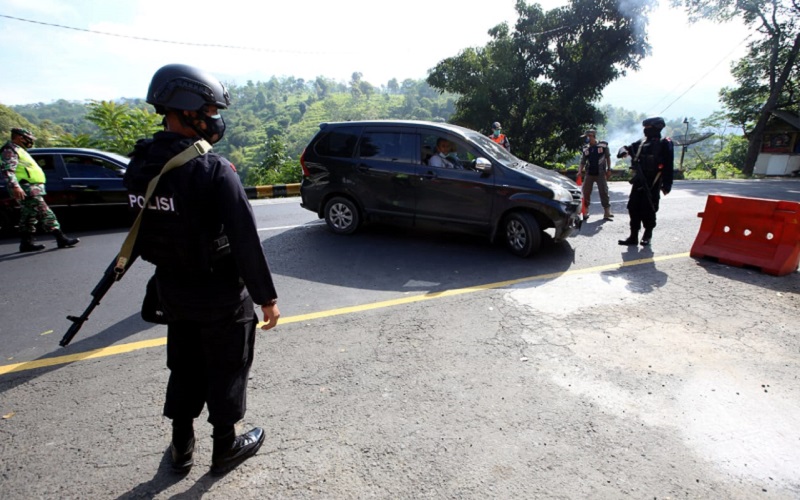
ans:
(111, 275)
(640, 173)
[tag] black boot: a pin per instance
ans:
(231, 450)
(633, 239)
(182, 446)
(646, 237)
(63, 240)
(27, 243)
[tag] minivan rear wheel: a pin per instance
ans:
(522, 233)
(342, 215)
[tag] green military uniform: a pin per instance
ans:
(21, 171)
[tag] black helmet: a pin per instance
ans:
(655, 122)
(178, 86)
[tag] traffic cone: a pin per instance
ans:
(579, 182)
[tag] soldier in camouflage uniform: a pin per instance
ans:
(25, 183)
(596, 164)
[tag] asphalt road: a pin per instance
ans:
(423, 365)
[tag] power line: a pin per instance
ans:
(707, 73)
(157, 40)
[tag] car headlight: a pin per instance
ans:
(560, 193)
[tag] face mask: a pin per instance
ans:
(496, 133)
(652, 133)
(586, 140)
(215, 128)
(27, 143)
(210, 128)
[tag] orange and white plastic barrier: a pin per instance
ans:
(755, 232)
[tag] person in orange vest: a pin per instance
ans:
(499, 137)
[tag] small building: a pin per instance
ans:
(780, 145)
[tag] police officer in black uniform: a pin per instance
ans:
(652, 162)
(200, 232)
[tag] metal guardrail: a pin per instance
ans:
(273, 191)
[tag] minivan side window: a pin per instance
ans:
(88, 167)
(388, 146)
(339, 142)
(46, 162)
(464, 153)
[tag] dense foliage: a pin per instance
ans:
(268, 124)
(543, 78)
(769, 75)
(265, 145)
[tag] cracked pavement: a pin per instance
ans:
(659, 380)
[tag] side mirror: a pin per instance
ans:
(483, 165)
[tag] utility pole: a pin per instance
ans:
(685, 136)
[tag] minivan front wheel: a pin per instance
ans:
(342, 215)
(522, 232)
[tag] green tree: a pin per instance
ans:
(276, 167)
(355, 85)
(11, 119)
(79, 141)
(768, 76)
(733, 151)
(541, 78)
(120, 125)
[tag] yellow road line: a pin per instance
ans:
(135, 346)
(80, 356)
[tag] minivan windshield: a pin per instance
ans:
(496, 150)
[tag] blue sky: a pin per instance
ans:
(309, 38)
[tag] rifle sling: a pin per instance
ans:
(198, 148)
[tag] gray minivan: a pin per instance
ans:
(362, 171)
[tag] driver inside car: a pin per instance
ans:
(443, 156)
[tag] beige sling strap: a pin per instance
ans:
(199, 148)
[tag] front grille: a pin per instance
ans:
(576, 196)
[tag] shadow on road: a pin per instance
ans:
(81, 348)
(593, 226)
(644, 277)
(164, 478)
(398, 259)
(752, 276)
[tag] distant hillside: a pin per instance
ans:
(288, 107)
(291, 109)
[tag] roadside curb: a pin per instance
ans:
(272, 191)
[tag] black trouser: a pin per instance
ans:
(209, 364)
(642, 210)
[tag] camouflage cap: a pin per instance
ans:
(589, 132)
(23, 132)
